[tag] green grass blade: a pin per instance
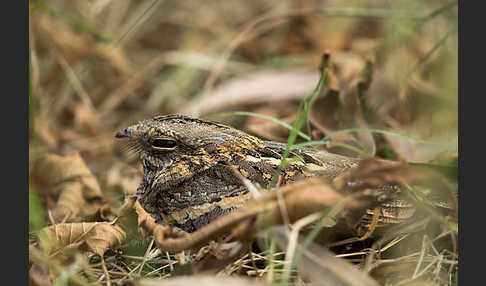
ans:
(352, 148)
(308, 104)
(315, 231)
(374, 130)
(76, 22)
(325, 140)
(301, 116)
(259, 115)
(36, 212)
(290, 141)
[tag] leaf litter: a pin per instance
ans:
(87, 87)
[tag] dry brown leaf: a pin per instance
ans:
(373, 173)
(260, 88)
(255, 88)
(96, 237)
(54, 169)
(68, 181)
(381, 175)
(340, 107)
(420, 152)
(132, 216)
(69, 201)
(46, 134)
(300, 199)
(132, 207)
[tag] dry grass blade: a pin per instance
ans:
(55, 271)
(113, 100)
(201, 281)
(75, 82)
(319, 265)
(73, 46)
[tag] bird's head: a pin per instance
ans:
(163, 140)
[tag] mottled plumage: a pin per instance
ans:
(189, 167)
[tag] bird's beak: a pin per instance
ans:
(123, 134)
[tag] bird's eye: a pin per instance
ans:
(164, 144)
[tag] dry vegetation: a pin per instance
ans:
(98, 66)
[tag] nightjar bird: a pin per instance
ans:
(189, 167)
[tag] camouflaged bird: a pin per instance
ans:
(189, 164)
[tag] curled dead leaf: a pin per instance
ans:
(340, 106)
(356, 191)
(68, 181)
(384, 180)
(54, 169)
(46, 134)
(300, 199)
(96, 237)
(255, 88)
(373, 173)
